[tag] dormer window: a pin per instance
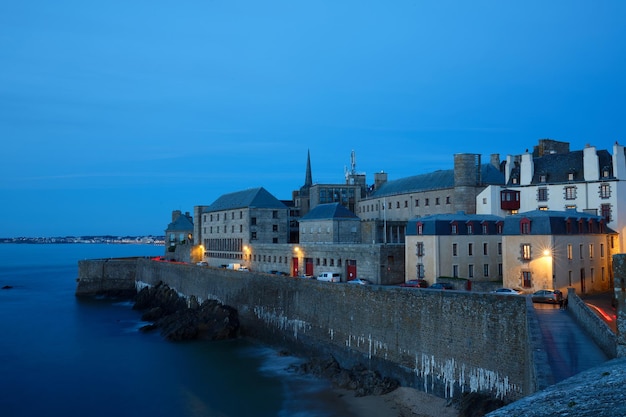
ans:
(470, 229)
(606, 172)
(524, 225)
(420, 228)
(570, 176)
(454, 229)
(543, 178)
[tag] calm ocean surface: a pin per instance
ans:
(63, 356)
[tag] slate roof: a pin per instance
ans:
(550, 222)
(329, 212)
(439, 224)
(181, 223)
(251, 198)
(436, 180)
(557, 167)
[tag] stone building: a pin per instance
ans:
(180, 229)
(330, 224)
(460, 246)
(556, 250)
(393, 203)
(554, 178)
(240, 219)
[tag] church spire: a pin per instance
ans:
(308, 179)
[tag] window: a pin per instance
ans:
(406, 203)
(420, 270)
(274, 228)
(426, 201)
(419, 248)
(448, 200)
(605, 191)
(499, 248)
(397, 204)
(485, 229)
(580, 250)
(453, 229)
(542, 194)
(437, 201)
(470, 229)
(570, 193)
(569, 277)
(543, 178)
(420, 228)
(525, 226)
(543, 208)
(526, 282)
(601, 250)
(390, 205)
(591, 251)
(253, 221)
(470, 271)
(454, 250)
(253, 236)
(455, 271)
(470, 249)
(232, 215)
(605, 212)
(241, 228)
(417, 203)
(570, 176)
(499, 227)
(569, 252)
(499, 270)
(485, 270)
(526, 251)
(485, 249)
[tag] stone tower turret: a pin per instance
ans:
(467, 179)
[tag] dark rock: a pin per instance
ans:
(359, 379)
(7, 287)
(177, 321)
(475, 404)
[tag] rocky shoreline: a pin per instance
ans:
(180, 319)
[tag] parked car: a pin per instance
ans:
(202, 263)
(415, 283)
(441, 286)
(307, 276)
(329, 277)
(547, 296)
(243, 268)
(360, 281)
(507, 291)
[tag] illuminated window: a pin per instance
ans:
(526, 282)
(569, 252)
(526, 251)
(570, 193)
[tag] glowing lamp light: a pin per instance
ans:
(546, 252)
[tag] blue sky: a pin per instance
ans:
(113, 114)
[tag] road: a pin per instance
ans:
(570, 350)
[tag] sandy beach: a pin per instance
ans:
(402, 402)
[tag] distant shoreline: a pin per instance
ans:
(122, 240)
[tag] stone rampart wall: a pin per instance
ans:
(593, 325)
(442, 342)
(105, 275)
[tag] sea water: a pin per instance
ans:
(66, 356)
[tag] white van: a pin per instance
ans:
(329, 277)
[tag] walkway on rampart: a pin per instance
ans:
(569, 348)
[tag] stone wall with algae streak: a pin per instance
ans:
(441, 342)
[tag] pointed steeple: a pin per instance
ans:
(308, 179)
